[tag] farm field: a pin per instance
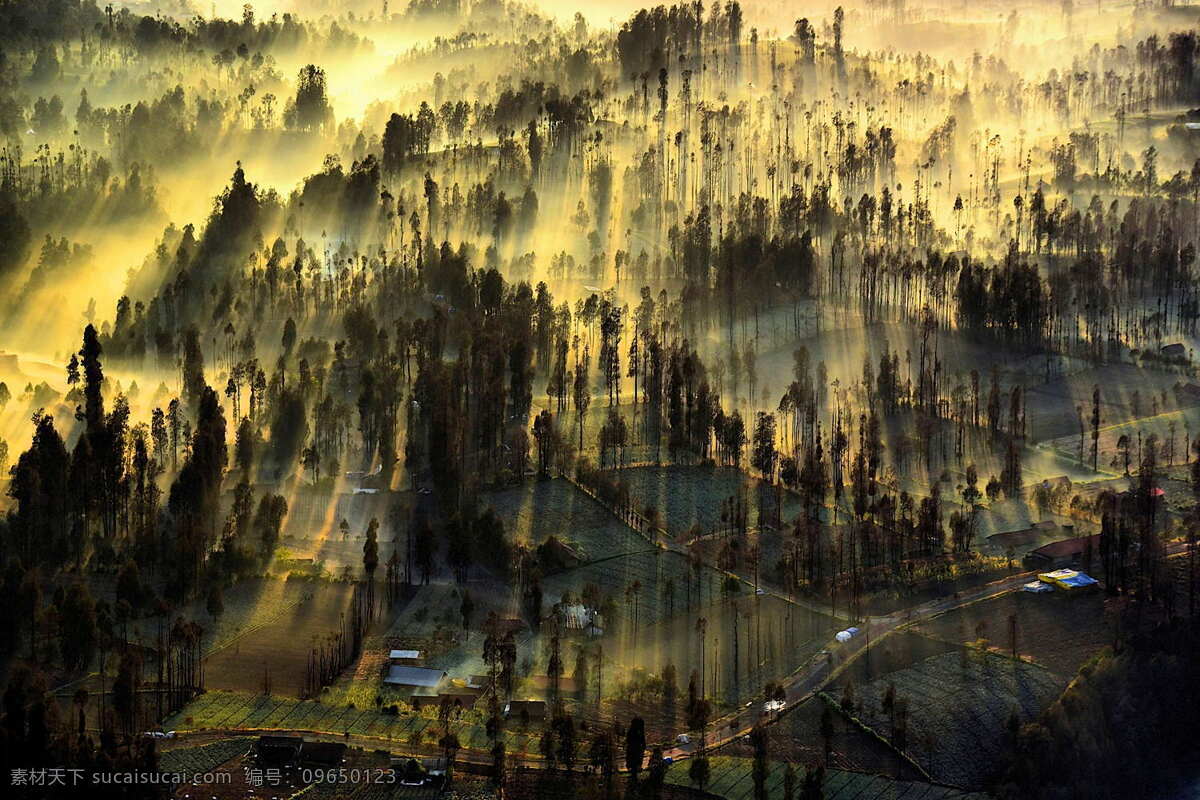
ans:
(1055, 630)
(205, 757)
(773, 639)
(687, 496)
(537, 510)
(280, 648)
(223, 710)
(796, 736)
(733, 779)
(899, 651)
(1053, 408)
(662, 581)
(959, 709)
(312, 526)
(1179, 423)
(248, 605)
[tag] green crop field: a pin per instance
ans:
(204, 758)
(733, 779)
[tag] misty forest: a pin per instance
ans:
(523, 399)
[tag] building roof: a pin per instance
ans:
(577, 616)
(400, 675)
(1015, 538)
(409, 655)
(1068, 547)
(530, 707)
(1068, 579)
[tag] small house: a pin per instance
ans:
(1065, 553)
(525, 710)
(1034, 534)
(422, 697)
(1173, 351)
(556, 555)
(458, 698)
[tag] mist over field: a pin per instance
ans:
(535, 399)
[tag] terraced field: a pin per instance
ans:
(959, 707)
(732, 779)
